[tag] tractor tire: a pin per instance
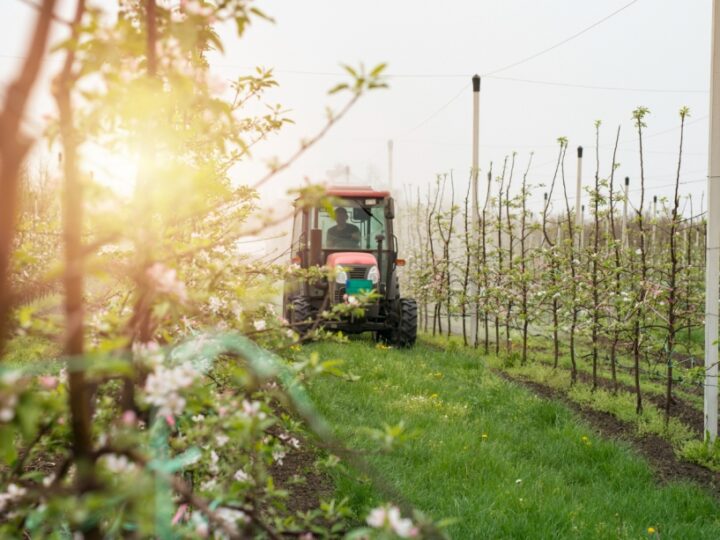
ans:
(405, 332)
(300, 314)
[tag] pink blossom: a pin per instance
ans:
(129, 417)
(48, 382)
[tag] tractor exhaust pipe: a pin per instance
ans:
(315, 247)
(379, 238)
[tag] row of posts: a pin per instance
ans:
(712, 246)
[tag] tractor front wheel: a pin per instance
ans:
(300, 315)
(404, 332)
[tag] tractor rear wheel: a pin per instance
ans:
(300, 314)
(405, 332)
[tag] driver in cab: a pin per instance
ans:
(344, 234)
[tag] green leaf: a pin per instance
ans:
(8, 452)
(358, 534)
(350, 70)
(28, 415)
(338, 88)
(377, 70)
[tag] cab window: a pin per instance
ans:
(298, 238)
(354, 226)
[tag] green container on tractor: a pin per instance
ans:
(364, 253)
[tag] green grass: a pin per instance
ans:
(567, 489)
(540, 350)
(620, 405)
(24, 351)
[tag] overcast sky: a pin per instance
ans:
(654, 53)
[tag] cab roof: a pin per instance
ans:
(350, 192)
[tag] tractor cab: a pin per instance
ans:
(355, 239)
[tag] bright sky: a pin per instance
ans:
(655, 53)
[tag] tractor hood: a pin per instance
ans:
(350, 258)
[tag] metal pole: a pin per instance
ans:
(578, 196)
(544, 223)
(582, 226)
(654, 228)
(712, 242)
(390, 164)
(625, 209)
(475, 203)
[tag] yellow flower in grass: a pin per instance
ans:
(651, 530)
(484, 436)
(585, 440)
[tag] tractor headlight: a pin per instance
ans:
(341, 277)
(374, 275)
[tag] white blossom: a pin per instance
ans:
(403, 527)
(8, 402)
(214, 305)
(214, 462)
(231, 517)
(163, 385)
(377, 517)
(208, 485)
(242, 477)
(165, 280)
(221, 439)
(13, 493)
(118, 464)
(252, 409)
(260, 325)
(388, 517)
(149, 352)
(195, 7)
(278, 455)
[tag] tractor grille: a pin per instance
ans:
(357, 272)
(353, 272)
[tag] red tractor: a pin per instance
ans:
(359, 244)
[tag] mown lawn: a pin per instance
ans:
(539, 472)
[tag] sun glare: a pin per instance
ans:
(116, 170)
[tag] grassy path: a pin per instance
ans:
(537, 473)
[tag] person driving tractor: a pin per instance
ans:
(344, 234)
